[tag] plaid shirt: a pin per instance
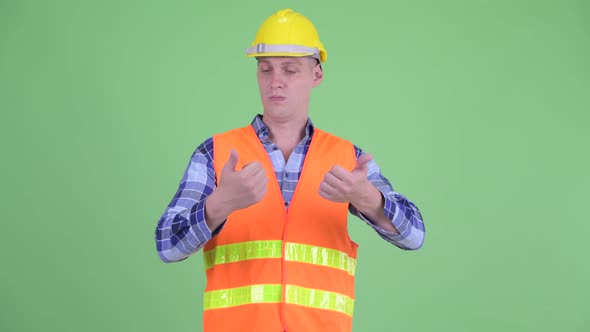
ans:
(182, 229)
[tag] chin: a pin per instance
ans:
(278, 109)
(276, 112)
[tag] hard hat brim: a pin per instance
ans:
(282, 54)
(262, 50)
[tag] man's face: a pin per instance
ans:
(285, 85)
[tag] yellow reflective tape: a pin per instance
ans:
(231, 297)
(307, 297)
(319, 299)
(320, 256)
(242, 251)
(294, 252)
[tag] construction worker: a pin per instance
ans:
(268, 203)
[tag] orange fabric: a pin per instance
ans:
(310, 219)
(254, 317)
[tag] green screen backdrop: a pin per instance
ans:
(477, 111)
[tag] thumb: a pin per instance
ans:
(232, 161)
(363, 161)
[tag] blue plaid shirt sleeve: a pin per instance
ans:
(404, 215)
(182, 230)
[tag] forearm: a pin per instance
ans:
(406, 219)
(396, 212)
(371, 206)
(216, 211)
(182, 229)
(180, 233)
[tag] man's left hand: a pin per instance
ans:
(342, 186)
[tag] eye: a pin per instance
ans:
(265, 69)
(291, 71)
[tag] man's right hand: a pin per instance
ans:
(236, 190)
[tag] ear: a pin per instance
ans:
(318, 75)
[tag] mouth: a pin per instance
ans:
(276, 98)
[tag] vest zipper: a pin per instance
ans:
(284, 276)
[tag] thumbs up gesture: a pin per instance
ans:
(340, 185)
(237, 189)
(241, 188)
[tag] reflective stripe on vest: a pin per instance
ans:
(307, 297)
(295, 252)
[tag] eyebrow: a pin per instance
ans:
(286, 63)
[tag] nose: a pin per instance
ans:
(277, 81)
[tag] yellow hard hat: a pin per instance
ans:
(287, 33)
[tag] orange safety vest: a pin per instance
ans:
(273, 269)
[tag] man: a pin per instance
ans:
(269, 202)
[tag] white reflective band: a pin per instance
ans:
(255, 294)
(294, 252)
(296, 49)
(306, 253)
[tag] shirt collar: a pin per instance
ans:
(262, 130)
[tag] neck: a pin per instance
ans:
(286, 131)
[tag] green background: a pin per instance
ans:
(478, 111)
